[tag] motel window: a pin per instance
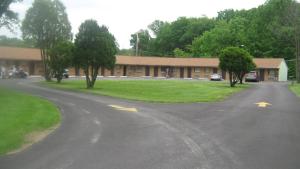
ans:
(197, 69)
(164, 69)
(136, 69)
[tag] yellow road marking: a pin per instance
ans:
(263, 104)
(132, 109)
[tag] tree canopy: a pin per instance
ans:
(15, 42)
(270, 30)
(8, 18)
(237, 62)
(46, 23)
(144, 39)
(61, 58)
(95, 47)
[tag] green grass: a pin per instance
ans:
(166, 91)
(296, 89)
(21, 114)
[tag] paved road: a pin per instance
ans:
(234, 134)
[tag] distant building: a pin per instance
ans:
(269, 69)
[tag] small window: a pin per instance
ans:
(164, 69)
(197, 69)
(136, 69)
(139, 69)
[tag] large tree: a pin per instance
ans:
(61, 58)
(225, 34)
(180, 34)
(95, 47)
(142, 39)
(237, 62)
(46, 23)
(8, 17)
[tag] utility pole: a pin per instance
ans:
(297, 40)
(137, 44)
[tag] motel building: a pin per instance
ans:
(29, 60)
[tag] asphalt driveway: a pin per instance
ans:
(106, 133)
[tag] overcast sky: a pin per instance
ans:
(124, 17)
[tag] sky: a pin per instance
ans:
(125, 17)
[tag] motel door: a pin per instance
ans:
(155, 71)
(189, 72)
(31, 68)
(147, 72)
(112, 72)
(181, 72)
(262, 75)
(124, 70)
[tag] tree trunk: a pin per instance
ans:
(296, 23)
(297, 59)
(87, 78)
(45, 63)
(58, 79)
(94, 75)
(241, 77)
(230, 79)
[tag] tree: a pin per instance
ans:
(156, 26)
(7, 17)
(247, 66)
(15, 42)
(126, 52)
(237, 62)
(46, 23)
(95, 47)
(180, 53)
(292, 18)
(143, 42)
(225, 34)
(61, 58)
(178, 34)
(226, 15)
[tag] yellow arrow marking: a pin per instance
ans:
(263, 104)
(123, 108)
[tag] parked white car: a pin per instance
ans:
(215, 77)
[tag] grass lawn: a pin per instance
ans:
(295, 88)
(20, 116)
(167, 91)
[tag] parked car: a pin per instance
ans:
(252, 77)
(18, 74)
(66, 73)
(215, 77)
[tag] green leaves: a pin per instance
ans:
(46, 23)
(237, 62)
(225, 34)
(95, 47)
(61, 58)
(169, 36)
(8, 18)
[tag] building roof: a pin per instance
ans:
(267, 63)
(24, 54)
(30, 54)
